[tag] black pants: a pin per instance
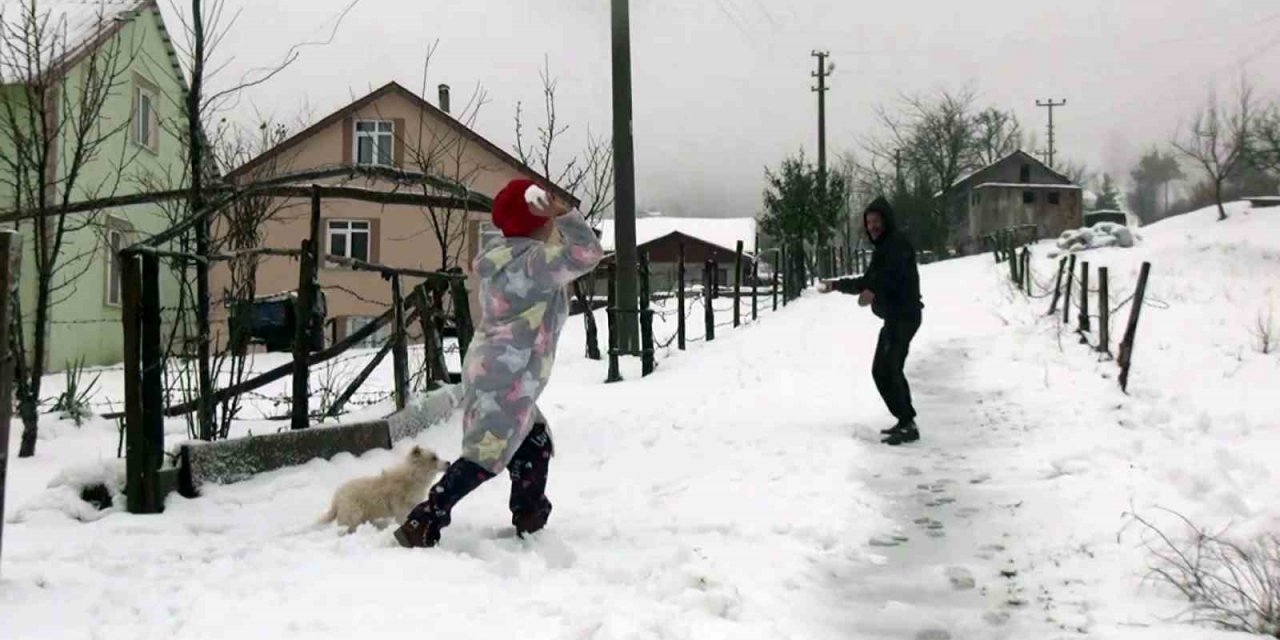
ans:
(891, 357)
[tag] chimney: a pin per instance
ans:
(444, 98)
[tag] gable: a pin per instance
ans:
(1009, 170)
(425, 139)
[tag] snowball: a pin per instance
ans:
(535, 196)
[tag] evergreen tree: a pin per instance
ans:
(1109, 199)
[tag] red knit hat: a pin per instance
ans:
(511, 211)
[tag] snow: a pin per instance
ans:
(722, 232)
(1100, 235)
(1025, 185)
(741, 492)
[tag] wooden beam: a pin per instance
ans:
(10, 248)
(130, 314)
(302, 311)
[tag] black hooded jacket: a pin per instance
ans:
(892, 274)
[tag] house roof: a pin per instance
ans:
(65, 30)
(722, 232)
(395, 88)
(1018, 152)
(1025, 185)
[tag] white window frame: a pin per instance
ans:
(376, 140)
(348, 230)
(113, 266)
(144, 122)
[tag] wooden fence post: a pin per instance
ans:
(611, 313)
(737, 285)
(152, 436)
(1131, 331)
(709, 313)
(1026, 268)
(646, 319)
(10, 248)
(462, 314)
(1066, 300)
(755, 285)
(399, 348)
(774, 279)
(1057, 287)
(1084, 303)
(130, 315)
(680, 322)
(432, 345)
(780, 272)
(1104, 313)
(304, 306)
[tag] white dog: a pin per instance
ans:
(389, 495)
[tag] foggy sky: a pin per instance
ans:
(721, 87)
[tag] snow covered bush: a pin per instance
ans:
(1231, 585)
(1265, 332)
(1103, 234)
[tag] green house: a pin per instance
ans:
(91, 106)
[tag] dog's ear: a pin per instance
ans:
(416, 451)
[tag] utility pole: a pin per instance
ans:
(624, 185)
(1050, 104)
(897, 171)
(824, 69)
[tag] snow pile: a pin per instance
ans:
(1103, 234)
(66, 493)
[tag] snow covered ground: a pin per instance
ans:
(741, 491)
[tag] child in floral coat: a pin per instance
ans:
(524, 304)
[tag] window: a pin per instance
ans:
(488, 233)
(145, 127)
(1024, 176)
(1028, 197)
(379, 337)
(115, 242)
(1054, 197)
(350, 239)
(373, 142)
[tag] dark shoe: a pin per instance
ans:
(528, 469)
(422, 527)
(908, 433)
(902, 424)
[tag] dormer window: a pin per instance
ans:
(373, 144)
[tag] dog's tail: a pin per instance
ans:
(329, 516)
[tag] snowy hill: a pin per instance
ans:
(741, 491)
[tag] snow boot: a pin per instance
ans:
(908, 433)
(528, 470)
(422, 527)
(902, 424)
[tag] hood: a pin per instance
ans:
(880, 205)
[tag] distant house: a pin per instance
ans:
(703, 238)
(107, 69)
(1013, 191)
(390, 127)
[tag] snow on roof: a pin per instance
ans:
(722, 232)
(1020, 185)
(62, 27)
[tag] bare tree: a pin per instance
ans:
(205, 28)
(934, 136)
(996, 134)
(1217, 140)
(1265, 149)
(588, 176)
(56, 88)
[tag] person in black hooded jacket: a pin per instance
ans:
(891, 285)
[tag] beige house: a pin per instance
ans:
(391, 127)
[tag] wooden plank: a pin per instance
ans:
(646, 319)
(1057, 287)
(1084, 302)
(1104, 313)
(10, 263)
(1066, 295)
(709, 286)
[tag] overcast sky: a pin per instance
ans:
(721, 87)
